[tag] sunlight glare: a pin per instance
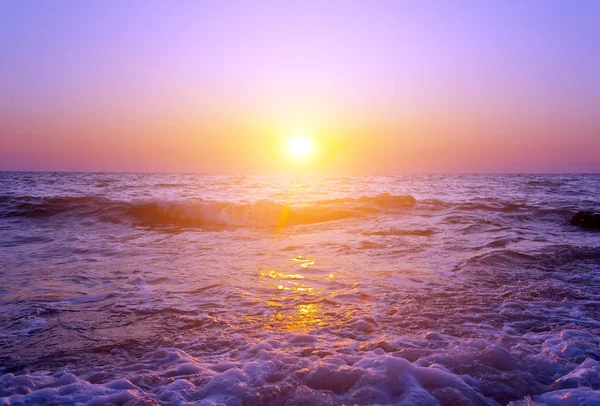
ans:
(300, 146)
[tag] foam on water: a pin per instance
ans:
(280, 370)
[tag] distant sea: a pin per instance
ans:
(279, 290)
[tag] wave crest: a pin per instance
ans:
(199, 212)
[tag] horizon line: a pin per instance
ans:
(299, 174)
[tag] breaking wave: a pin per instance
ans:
(199, 212)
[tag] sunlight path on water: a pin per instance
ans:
(304, 314)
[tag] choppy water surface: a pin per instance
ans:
(191, 289)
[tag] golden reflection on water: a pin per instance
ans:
(301, 318)
(295, 303)
(271, 273)
(303, 262)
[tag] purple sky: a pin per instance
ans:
(427, 86)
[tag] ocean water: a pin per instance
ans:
(245, 290)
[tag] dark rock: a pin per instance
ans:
(586, 219)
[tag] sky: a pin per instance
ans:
(379, 86)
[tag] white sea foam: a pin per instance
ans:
(272, 372)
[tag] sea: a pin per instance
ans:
(188, 289)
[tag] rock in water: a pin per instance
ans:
(586, 219)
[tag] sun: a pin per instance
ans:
(300, 146)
